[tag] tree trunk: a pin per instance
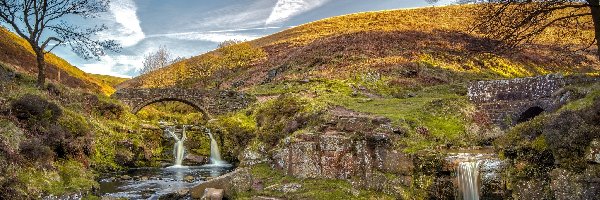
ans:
(41, 64)
(595, 9)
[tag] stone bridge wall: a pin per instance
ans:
(505, 100)
(206, 101)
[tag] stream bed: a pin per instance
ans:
(151, 183)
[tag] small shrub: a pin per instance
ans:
(35, 152)
(34, 108)
(110, 110)
(285, 115)
(124, 157)
(238, 129)
(53, 89)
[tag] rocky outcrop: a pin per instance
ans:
(238, 180)
(349, 145)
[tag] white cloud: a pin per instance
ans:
(129, 31)
(114, 65)
(210, 36)
(284, 9)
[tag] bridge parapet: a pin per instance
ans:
(209, 102)
(508, 102)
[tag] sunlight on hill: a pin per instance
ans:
(389, 43)
(18, 52)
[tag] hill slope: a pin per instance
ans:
(16, 51)
(391, 43)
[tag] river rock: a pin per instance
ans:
(180, 194)
(188, 179)
(212, 194)
(254, 153)
(290, 187)
(144, 178)
(125, 177)
(196, 159)
(239, 180)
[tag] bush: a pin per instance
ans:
(285, 115)
(35, 152)
(238, 129)
(567, 135)
(110, 110)
(554, 139)
(36, 109)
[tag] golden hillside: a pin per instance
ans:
(16, 51)
(397, 44)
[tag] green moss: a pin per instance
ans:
(75, 123)
(434, 116)
(286, 114)
(593, 92)
(70, 177)
(10, 134)
(539, 144)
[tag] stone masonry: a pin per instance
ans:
(506, 101)
(206, 101)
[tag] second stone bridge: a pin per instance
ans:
(509, 102)
(209, 102)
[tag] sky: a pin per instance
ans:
(192, 27)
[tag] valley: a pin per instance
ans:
(395, 104)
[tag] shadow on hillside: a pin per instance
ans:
(345, 50)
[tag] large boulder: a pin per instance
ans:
(231, 183)
(212, 194)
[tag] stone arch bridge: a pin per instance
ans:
(208, 102)
(509, 102)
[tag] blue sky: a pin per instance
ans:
(191, 27)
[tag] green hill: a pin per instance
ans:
(16, 52)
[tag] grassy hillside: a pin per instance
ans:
(16, 51)
(108, 80)
(411, 66)
(392, 43)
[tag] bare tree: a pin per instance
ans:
(158, 59)
(516, 22)
(41, 22)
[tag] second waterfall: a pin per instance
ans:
(215, 154)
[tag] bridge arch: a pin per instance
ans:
(529, 114)
(195, 105)
(208, 102)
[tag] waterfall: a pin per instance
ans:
(468, 179)
(178, 148)
(215, 155)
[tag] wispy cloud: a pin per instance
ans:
(285, 9)
(216, 35)
(128, 30)
(114, 65)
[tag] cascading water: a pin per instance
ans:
(468, 179)
(215, 155)
(178, 148)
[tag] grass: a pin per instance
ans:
(108, 80)
(591, 91)
(433, 41)
(311, 188)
